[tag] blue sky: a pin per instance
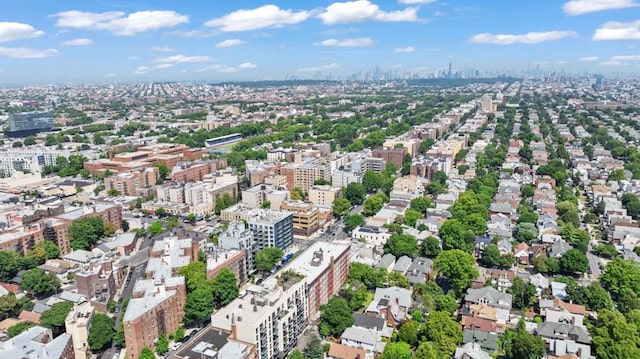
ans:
(116, 40)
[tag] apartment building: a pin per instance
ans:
(391, 155)
(303, 175)
(256, 196)
(325, 267)
(231, 259)
(258, 171)
(168, 255)
(128, 183)
(324, 195)
(30, 159)
(305, 217)
(77, 326)
(40, 343)
(98, 283)
(271, 316)
(239, 237)
(270, 228)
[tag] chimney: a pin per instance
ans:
(234, 329)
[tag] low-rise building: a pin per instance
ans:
(77, 326)
(38, 342)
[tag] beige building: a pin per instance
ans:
(303, 175)
(323, 196)
(305, 217)
(77, 326)
(127, 183)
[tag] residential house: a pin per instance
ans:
(388, 261)
(521, 252)
(557, 311)
(402, 265)
(502, 279)
(488, 341)
(471, 350)
(565, 339)
(489, 296)
(540, 282)
(505, 247)
(391, 303)
(559, 248)
(419, 271)
(339, 351)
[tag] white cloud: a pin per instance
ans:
(626, 58)
(117, 23)
(258, 18)
(363, 41)
(142, 70)
(24, 53)
(331, 66)
(589, 58)
(612, 63)
(146, 69)
(230, 43)
(228, 69)
(11, 31)
(181, 59)
(78, 42)
(363, 10)
(132, 58)
(405, 49)
(579, 7)
(416, 1)
(528, 38)
(162, 49)
(614, 30)
(164, 66)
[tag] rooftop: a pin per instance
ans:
(35, 342)
(316, 259)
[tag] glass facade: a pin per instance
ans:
(27, 121)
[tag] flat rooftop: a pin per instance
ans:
(316, 259)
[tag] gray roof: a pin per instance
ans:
(419, 270)
(35, 342)
(487, 341)
(559, 248)
(386, 261)
(471, 351)
(563, 331)
(402, 264)
(368, 321)
(360, 335)
(489, 296)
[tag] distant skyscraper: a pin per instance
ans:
(449, 72)
(29, 123)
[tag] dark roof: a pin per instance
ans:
(368, 321)
(212, 336)
(486, 340)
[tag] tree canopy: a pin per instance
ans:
(39, 281)
(267, 258)
(53, 318)
(101, 332)
(335, 317)
(457, 266)
(85, 232)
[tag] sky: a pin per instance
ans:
(66, 41)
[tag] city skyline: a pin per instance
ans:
(63, 42)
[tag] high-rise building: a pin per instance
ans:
(270, 228)
(77, 326)
(29, 123)
(238, 237)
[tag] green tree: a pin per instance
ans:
(85, 232)
(199, 306)
(191, 217)
(163, 170)
(402, 245)
(523, 293)
(372, 181)
(156, 228)
(297, 194)
(411, 216)
(615, 175)
(160, 212)
(446, 303)
(614, 337)
(355, 193)
(146, 353)
(430, 247)
(9, 264)
(118, 338)
(490, 255)
(476, 223)
(454, 235)
(524, 345)
(426, 351)
(527, 191)
(101, 332)
(574, 261)
(621, 275)
(267, 258)
(525, 232)
(371, 277)
(162, 345)
(341, 206)
(223, 202)
(314, 349)
(458, 266)
(113, 193)
(39, 282)
(53, 318)
(443, 331)
(397, 279)
(18, 328)
(225, 288)
(421, 204)
(351, 221)
(398, 350)
(296, 354)
(373, 204)
(606, 250)
(195, 274)
(408, 332)
(51, 249)
(335, 317)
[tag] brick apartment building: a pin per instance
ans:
(305, 217)
(97, 282)
(391, 155)
(128, 183)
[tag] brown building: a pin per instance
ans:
(97, 283)
(21, 240)
(303, 175)
(128, 183)
(155, 309)
(232, 259)
(192, 172)
(391, 155)
(305, 217)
